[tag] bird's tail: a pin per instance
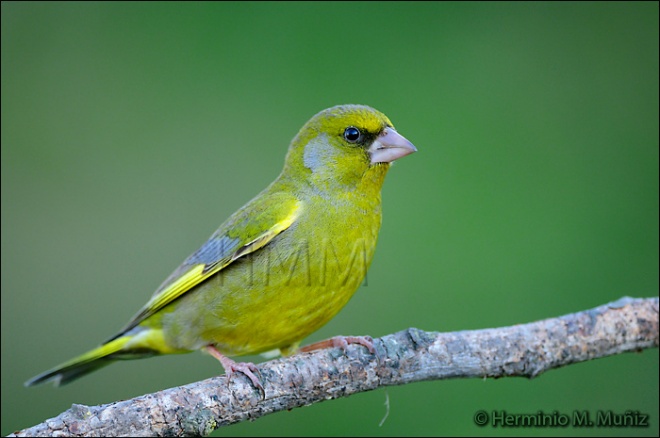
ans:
(99, 357)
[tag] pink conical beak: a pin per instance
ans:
(389, 146)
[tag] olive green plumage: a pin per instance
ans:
(281, 266)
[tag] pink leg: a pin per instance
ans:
(342, 342)
(247, 368)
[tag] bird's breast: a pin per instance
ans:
(286, 290)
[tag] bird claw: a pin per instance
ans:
(247, 368)
(230, 366)
(342, 342)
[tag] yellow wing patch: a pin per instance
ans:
(199, 273)
(266, 237)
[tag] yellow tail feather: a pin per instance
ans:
(91, 361)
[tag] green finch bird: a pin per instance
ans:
(280, 267)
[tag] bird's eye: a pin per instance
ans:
(352, 135)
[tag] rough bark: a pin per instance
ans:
(408, 356)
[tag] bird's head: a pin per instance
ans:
(342, 145)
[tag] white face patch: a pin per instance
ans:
(319, 155)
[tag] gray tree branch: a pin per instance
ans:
(408, 356)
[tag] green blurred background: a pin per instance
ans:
(131, 131)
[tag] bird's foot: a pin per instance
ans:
(247, 368)
(342, 342)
